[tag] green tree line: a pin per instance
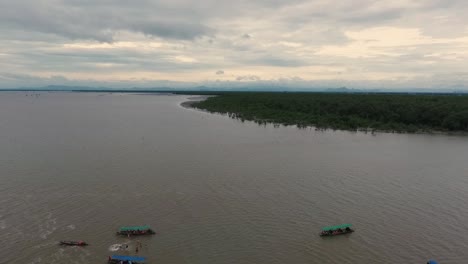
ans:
(388, 112)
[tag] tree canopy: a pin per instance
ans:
(388, 112)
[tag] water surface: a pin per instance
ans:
(79, 165)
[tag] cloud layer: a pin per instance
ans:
(362, 43)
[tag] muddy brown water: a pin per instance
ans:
(79, 165)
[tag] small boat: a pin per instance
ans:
(336, 230)
(116, 259)
(73, 243)
(135, 231)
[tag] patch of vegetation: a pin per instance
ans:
(369, 112)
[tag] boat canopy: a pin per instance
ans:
(134, 228)
(331, 228)
(128, 258)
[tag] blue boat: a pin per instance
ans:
(117, 259)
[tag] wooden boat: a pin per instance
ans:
(135, 231)
(116, 259)
(73, 243)
(336, 230)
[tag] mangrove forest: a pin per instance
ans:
(367, 112)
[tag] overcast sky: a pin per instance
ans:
(119, 43)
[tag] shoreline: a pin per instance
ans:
(192, 100)
(195, 99)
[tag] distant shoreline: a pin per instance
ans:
(447, 115)
(193, 100)
(226, 91)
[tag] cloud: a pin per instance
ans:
(185, 59)
(76, 20)
(248, 78)
(298, 42)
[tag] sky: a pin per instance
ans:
(225, 43)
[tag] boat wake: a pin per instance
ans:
(114, 247)
(117, 247)
(48, 227)
(48, 244)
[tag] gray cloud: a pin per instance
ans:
(298, 42)
(248, 78)
(377, 16)
(100, 22)
(272, 60)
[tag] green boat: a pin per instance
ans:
(336, 230)
(135, 230)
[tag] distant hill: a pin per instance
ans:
(256, 88)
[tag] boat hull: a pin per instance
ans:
(336, 233)
(115, 261)
(130, 233)
(73, 243)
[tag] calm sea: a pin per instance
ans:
(76, 166)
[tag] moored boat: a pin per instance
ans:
(73, 243)
(135, 230)
(336, 230)
(117, 259)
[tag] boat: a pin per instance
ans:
(135, 230)
(73, 243)
(336, 230)
(117, 259)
